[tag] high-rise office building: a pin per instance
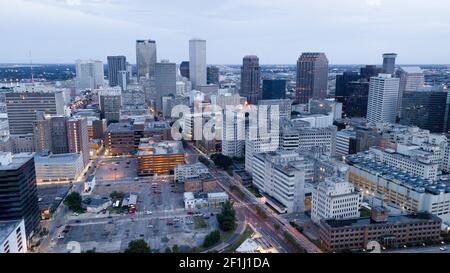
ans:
(89, 74)
(212, 75)
(115, 65)
(18, 191)
(197, 62)
(426, 109)
(369, 71)
(77, 137)
(123, 80)
(411, 79)
(145, 58)
(50, 134)
(352, 90)
(110, 102)
(383, 99)
(22, 109)
(274, 89)
(184, 69)
(251, 79)
(389, 63)
(312, 77)
(165, 81)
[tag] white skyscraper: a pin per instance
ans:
(89, 74)
(383, 98)
(145, 58)
(197, 62)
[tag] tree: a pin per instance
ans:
(175, 249)
(138, 246)
(203, 160)
(212, 239)
(221, 160)
(227, 217)
(168, 250)
(116, 195)
(73, 201)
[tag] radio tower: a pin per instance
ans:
(31, 68)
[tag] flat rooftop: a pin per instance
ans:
(403, 178)
(397, 219)
(119, 127)
(6, 227)
(57, 158)
(161, 148)
(17, 161)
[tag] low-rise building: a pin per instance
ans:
(119, 139)
(217, 199)
(388, 231)
(197, 200)
(399, 188)
(201, 183)
(186, 170)
(159, 157)
(13, 237)
(58, 168)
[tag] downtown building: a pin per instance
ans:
(165, 81)
(383, 99)
(312, 77)
(183, 171)
(89, 74)
(427, 108)
(116, 65)
(18, 191)
(12, 236)
(251, 79)
(335, 198)
(273, 89)
(145, 58)
(156, 158)
(58, 168)
(110, 101)
(280, 176)
(20, 121)
(197, 62)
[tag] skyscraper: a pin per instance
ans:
(184, 69)
(389, 63)
(77, 137)
(197, 62)
(212, 75)
(312, 77)
(427, 109)
(18, 190)
(383, 99)
(50, 134)
(110, 103)
(22, 109)
(165, 81)
(115, 65)
(411, 79)
(89, 74)
(251, 79)
(145, 58)
(273, 89)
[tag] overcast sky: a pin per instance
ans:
(348, 31)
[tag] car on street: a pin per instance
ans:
(443, 248)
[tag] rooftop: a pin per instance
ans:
(119, 127)
(17, 161)
(403, 178)
(160, 148)
(57, 158)
(6, 227)
(397, 219)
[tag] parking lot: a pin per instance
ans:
(116, 168)
(160, 219)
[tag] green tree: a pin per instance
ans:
(221, 160)
(175, 249)
(116, 195)
(168, 250)
(73, 201)
(138, 246)
(212, 239)
(227, 217)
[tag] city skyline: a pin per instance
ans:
(349, 32)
